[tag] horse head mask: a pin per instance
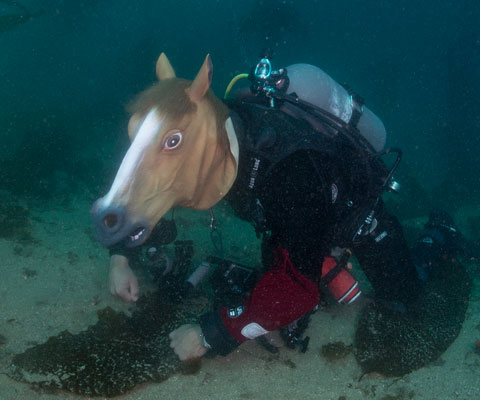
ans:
(183, 152)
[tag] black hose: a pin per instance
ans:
(395, 164)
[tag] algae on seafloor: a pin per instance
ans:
(395, 344)
(110, 357)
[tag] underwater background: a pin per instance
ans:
(67, 73)
(68, 69)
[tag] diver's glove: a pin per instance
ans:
(442, 228)
(439, 238)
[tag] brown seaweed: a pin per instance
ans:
(395, 344)
(110, 357)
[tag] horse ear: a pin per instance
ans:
(164, 69)
(202, 81)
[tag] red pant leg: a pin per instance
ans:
(281, 296)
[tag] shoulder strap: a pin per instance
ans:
(269, 135)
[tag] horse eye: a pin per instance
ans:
(173, 141)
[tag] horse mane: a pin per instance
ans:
(170, 98)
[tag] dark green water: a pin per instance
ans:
(67, 74)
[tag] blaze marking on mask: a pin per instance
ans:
(144, 137)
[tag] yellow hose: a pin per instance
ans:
(233, 82)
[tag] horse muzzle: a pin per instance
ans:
(112, 226)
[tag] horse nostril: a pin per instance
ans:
(110, 220)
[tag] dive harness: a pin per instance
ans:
(270, 86)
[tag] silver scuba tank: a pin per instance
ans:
(315, 86)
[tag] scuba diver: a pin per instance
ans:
(310, 180)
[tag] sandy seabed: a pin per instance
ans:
(60, 282)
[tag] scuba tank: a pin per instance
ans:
(313, 85)
(309, 86)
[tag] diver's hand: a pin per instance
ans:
(187, 342)
(122, 280)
